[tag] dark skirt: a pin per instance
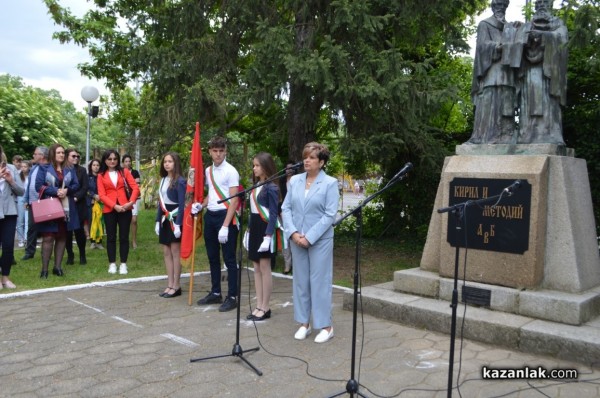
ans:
(257, 233)
(166, 236)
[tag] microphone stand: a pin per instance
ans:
(459, 210)
(237, 350)
(352, 386)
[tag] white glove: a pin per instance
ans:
(223, 234)
(177, 231)
(196, 208)
(246, 240)
(265, 245)
(157, 228)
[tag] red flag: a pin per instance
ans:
(194, 193)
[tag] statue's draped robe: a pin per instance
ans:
(493, 91)
(544, 84)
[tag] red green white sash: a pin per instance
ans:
(221, 195)
(279, 242)
(169, 215)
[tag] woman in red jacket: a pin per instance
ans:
(118, 192)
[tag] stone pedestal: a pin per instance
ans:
(561, 268)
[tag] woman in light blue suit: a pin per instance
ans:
(309, 210)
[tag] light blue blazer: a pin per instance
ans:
(314, 214)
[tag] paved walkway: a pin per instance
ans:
(123, 340)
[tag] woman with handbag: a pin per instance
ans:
(169, 217)
(10, 188)
(118, 191)
(56, 180)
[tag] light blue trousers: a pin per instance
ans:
(313, 278)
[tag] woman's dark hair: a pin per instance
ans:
(126, 156)
(21, 174)
(266, 162)
(52, 156)
(321, 150)
(106, 155)
(176, 168)
(90, 166)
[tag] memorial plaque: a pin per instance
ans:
(500, 225)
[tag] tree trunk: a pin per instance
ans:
(304, 104)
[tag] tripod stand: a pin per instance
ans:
(352, 385)
(459, 211)
(237, 350)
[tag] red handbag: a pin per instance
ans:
(47, 209)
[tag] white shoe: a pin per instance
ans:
(302, 332)
(324, 335)
(123, 269)
(92, 245)
(21, 244)
(112, 268)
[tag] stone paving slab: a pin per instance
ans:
(123, 340)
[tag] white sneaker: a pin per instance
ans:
(112, 268)
(123, 269)
(302, 332)
(324, 335)
(92, 245)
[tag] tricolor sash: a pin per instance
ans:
(279, 242)
(168, 215)
(221, 196)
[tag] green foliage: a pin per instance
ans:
(31, 116)
(373, 222)
(278, 74)
(581, 117)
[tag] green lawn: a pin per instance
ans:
(146, 260)
(380, 258)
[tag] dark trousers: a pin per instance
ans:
(7, 239)
(123, 221)
(213, 221)
(32, 234)
(80, 239)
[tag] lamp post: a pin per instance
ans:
(89, 95)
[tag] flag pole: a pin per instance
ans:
(191, 289)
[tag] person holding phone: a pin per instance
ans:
(10, 189)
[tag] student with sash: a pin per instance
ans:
(261, 237)
(169, 217)
(220, 224)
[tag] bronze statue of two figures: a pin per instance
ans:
(519, 78)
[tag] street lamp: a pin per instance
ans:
(89, 95)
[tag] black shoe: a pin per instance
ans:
(27, 257)
(175, 294)
(162, 294)
(58, 271)
(70, 259)
(287, 272)
(211, 298)
(82, 260)
(266, 315)
(44, 275)
(229, 304)
(251, 315)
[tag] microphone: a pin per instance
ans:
(407, 167)
(295, 166)
(513, 187)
